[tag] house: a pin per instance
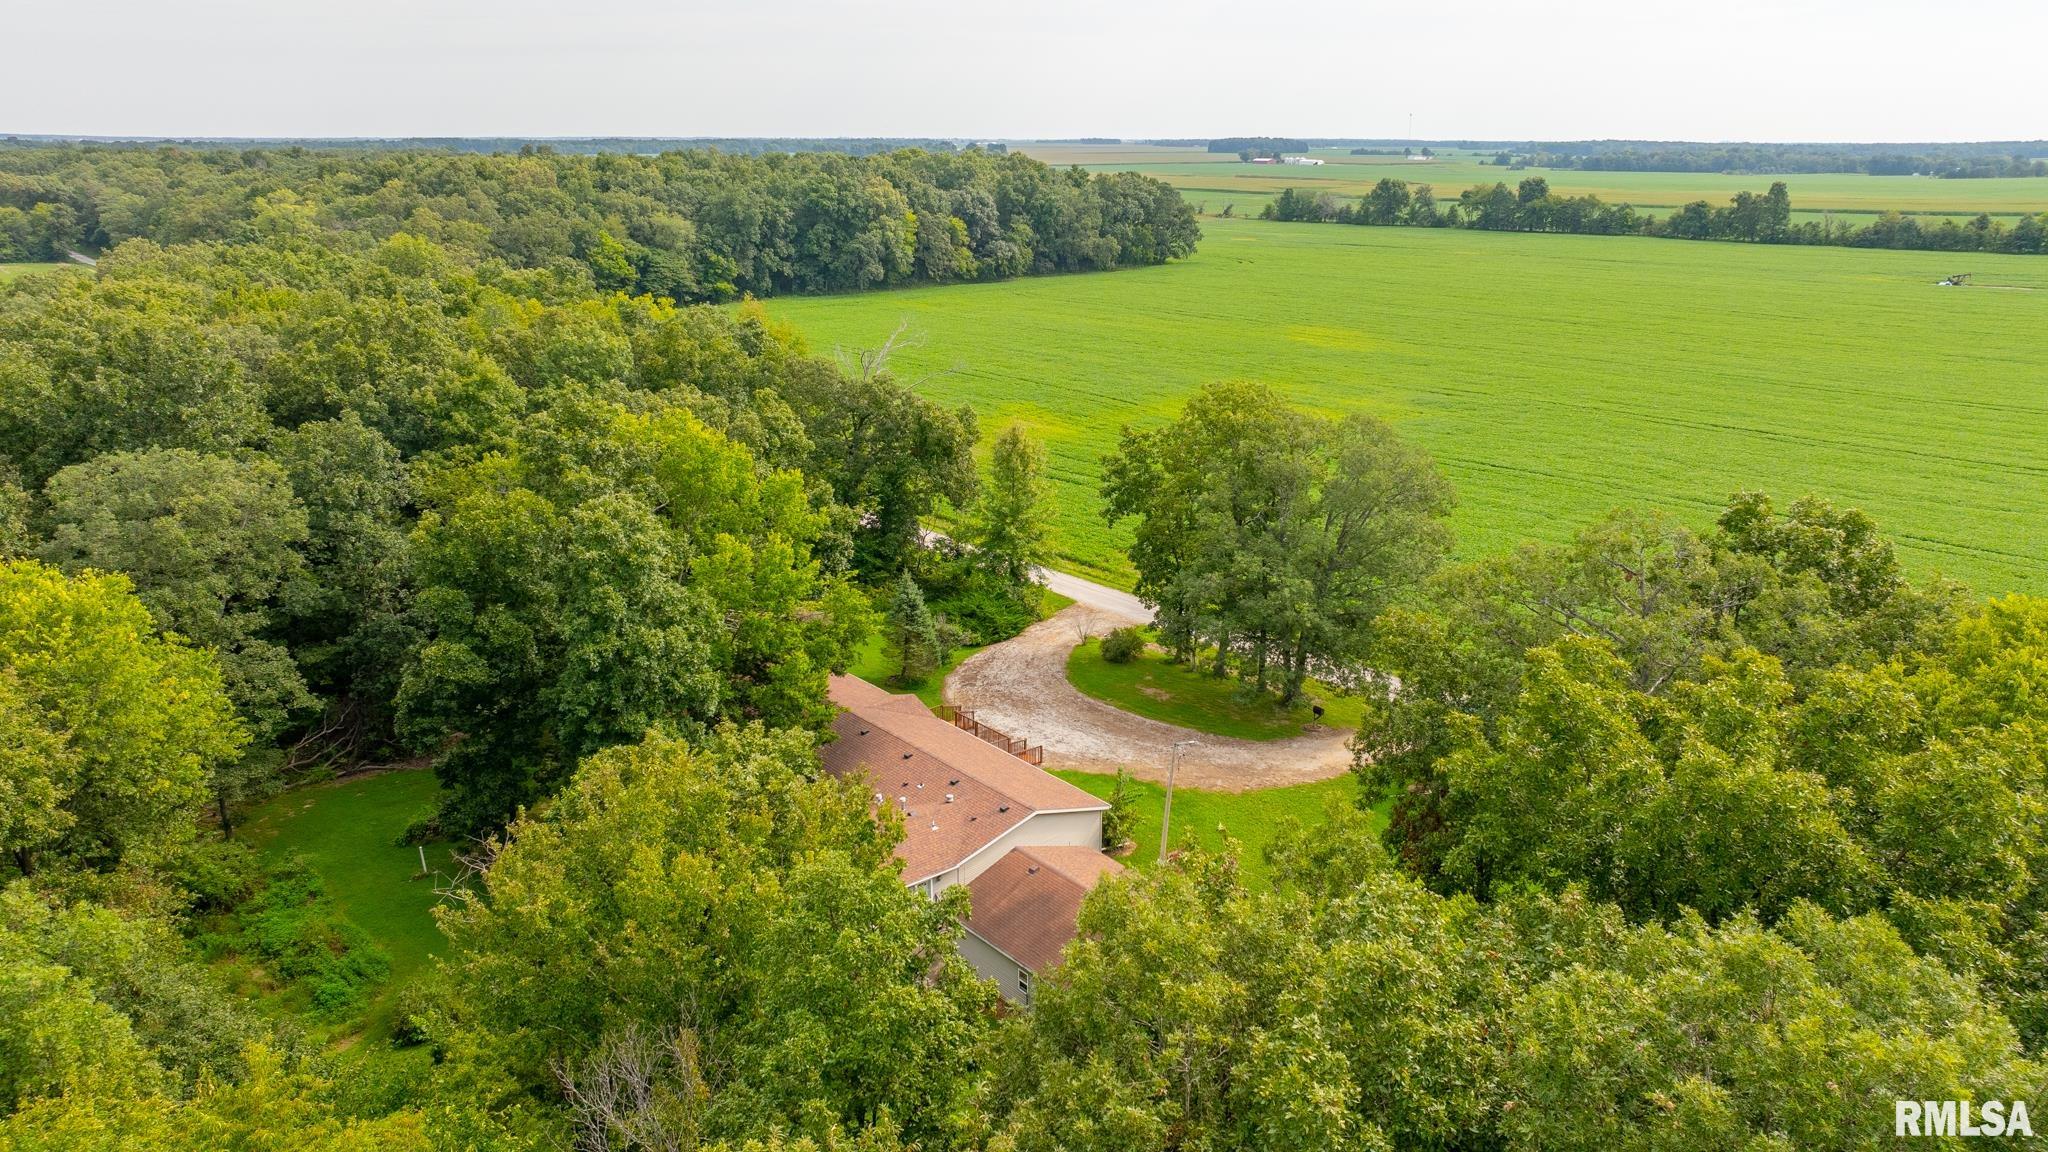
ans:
(1026, 843)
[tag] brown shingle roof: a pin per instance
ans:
(1026, 903)
(915, 761)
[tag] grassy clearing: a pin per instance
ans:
(1153, 686)
(347, 831)
(873, 666)
(1253, 819)
(10, 271)
(1553, 377)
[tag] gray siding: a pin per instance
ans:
(1083, 829)
(988, 960)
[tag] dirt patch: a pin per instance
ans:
(1020, 687)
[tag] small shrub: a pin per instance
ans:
(335, 998)
(424, 828)
(296, 930)
(1120, 822)
(1123, 645)
(421, 1005)
(214, 875)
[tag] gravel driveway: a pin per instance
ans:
(1019, 687)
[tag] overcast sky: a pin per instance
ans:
(1903, 70)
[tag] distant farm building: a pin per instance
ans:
(1026, 843)
(1301, 160)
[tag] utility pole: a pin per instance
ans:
(1166, 814)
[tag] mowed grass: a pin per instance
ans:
(1553, 377)
(1155, 687)
(348, 831)
(1204, 176)
(11, 271)
(1253, 819)
(872, 664)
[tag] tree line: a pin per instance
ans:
(1257, 145)
(1952, 161)
(690, 225)
(527, 145)
(1764, 218)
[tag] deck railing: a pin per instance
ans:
(963, 718)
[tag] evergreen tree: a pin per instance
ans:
(912, 637)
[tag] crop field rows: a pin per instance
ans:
(1553, 377)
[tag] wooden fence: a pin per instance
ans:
(963, 718)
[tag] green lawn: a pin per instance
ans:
(1253, 819)
(348, 830)
(1155, 687)
(10, 271)
(871, 665)
(1553, 377)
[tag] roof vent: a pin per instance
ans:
(953, 783)
(1029, 871)
(878, 797)
(949, 797)
(906, 755)
(863, 731)
(935, 826)
(1002, 807)
(920, 785)
(903, 799)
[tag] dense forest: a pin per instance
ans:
(348, 475)
(1704, 836)
(689, 225)
(1531, 206)
(580, 145)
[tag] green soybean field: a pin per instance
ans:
(1553, 377)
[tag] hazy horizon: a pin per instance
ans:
(1102, 138)
(1875, 71)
